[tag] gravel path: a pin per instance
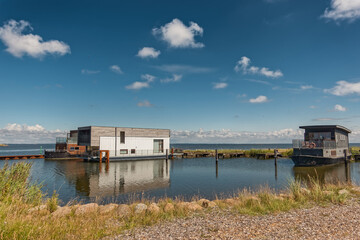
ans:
(331, 222)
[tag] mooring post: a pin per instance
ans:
(167, 154)
(172, 153)
(275, 156)
(216, 155)
(345, 155)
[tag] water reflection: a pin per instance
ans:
(333, 174)
(117, 177)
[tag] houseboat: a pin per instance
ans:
(322, 145)
(124, 143)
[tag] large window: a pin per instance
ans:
(158, 145)
(122, 137)
(319, 136)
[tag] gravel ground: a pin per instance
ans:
(331, 222)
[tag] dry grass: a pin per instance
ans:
(19, 220)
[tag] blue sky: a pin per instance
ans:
(211, 71)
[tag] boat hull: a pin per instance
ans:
(310, 161)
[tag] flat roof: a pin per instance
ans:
(326, 126)
(86, 127)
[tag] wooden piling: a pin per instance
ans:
(167, 154)
(275, 157)
(216, 155)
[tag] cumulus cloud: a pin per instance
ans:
(259, 99)
(19, 44)
(220, 85)
(229, 136)
(339, 108)
(148, 52)
(116, 69)
(144, 103)
(18, 133)
(178, 35)
(174, 78)
(244, 65)
(89, 72)
(344, 88)
(343, 10)
(139, 85)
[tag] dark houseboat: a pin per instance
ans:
(322, 145)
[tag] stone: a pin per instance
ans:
(42, 209)
(230, 201)
(123, 210)
(169, 207)
(193, 206)
(204, 203)
(86, 208)
(153, 208)
(62, 212)
(305, 191)
(212, 204)
(140, 208)
(107, 208)
(182, 205)
(343, 192)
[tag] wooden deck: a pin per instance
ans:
(17, 157)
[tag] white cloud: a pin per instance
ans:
(89, 72)
(174, 78)
(176, 68)
(259, 99)
(139, 85)
(343, 10)
(177, 35)
(148, 52)
(116, 69)
(220, 85)
(19, 44)
(344, 88)
(17, 133)
(306, 87)
(244, 65)
(229, 136)
(144, 103)
(313, 107)
(339, 108)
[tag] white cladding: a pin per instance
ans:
(143, 146)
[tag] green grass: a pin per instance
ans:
(18, 220)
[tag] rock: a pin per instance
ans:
(343, 192)
(140, 208)
(230, 201)
(169, 207)
(193, 206)
(86, 209)
(42, 209)
(62, 212)
(153, 208)
(107, 208)
(204, 203)
(212, 204)
(123, 210)
(182, 205)
(305, 191)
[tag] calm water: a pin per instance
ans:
(158, 178)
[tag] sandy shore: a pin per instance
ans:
(330, 222)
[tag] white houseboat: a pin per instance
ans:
(124, 143)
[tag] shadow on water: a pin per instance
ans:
(333, 174)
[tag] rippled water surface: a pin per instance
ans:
(179, 177)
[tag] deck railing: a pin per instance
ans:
(298, 143)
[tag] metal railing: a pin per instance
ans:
(298, 143)
(61, 140)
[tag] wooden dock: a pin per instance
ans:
(18, 157)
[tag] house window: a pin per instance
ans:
(133, 151)
(158, 145)
(122, 137)
(76, 148)
(72, 149)
(123, 151)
